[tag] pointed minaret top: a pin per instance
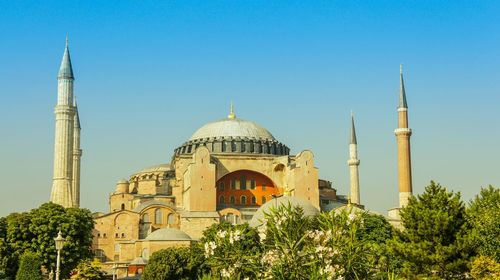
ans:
(77, 116)
(353, 131)
(231, 115)
(402, 93)
(66, 70)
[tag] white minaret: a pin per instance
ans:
(63, 147)
(353, 163)
(77, 154)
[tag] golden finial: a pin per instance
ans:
(231, 115)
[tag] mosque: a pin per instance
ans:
(228, 170)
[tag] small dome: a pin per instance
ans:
(156, 168)
(139, 261)
(259, 217)
(168, 234)
(232, 127)
(122, 181)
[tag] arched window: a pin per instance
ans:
(171, 219)
(243, 200)
(231, 199)
(116, 235)
(221, 199)
(145, 218)
(158, 217)
(252, 184)
(243, 182)
(123, 206)
(123, 235)
(254, 200)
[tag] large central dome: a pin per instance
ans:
(234, 136)
(232, 127)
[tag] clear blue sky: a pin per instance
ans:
(149, 73)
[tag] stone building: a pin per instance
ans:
(228, 170)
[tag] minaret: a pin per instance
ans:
(403, 133)
(353, 163)
(63, 146)
(77, 154)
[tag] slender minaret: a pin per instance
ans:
(353, 163)
(63, 146)
(403, 133)
(77, 154)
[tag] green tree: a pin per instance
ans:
(170, 263)
(90, 270)
(483, 215)
(430, 243)
(485, 268)
(36, 230)
(30, 267)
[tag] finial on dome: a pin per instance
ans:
(231, 115)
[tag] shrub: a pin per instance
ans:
(170, 263)
(29, 267)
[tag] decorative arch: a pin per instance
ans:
(245, 188)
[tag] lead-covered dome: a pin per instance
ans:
(232, 128)
(233, 136)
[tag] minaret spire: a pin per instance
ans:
(402, 93)
(403, 134)
(353, 163)
(63, 145)
(66, 69)
(77, 154)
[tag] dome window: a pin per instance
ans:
(231, 200)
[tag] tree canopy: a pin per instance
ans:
(35, 231)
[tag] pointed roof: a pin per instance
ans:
(66, 71)
(402, 93)
(353, 131)
(77, 116)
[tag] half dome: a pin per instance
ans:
(168, 234)
(259, 217)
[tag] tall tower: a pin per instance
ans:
(63, 146)
(403, 133)
(353, 163)
(77, 154)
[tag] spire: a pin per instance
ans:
(231, 115)
(66, 71)
(353, 131)
(402, 93)
(77, 116)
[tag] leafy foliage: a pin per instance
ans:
(231, 249)
(483, 215)
(35, 231)
(30, 267)
(170, 263)
(90, 270)
(485, 268)
(430, 243)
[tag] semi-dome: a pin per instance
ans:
(259, 216)
(168, 234)
(235, 136)
(232, 128)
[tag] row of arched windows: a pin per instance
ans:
(159, 217)
(243, 200)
